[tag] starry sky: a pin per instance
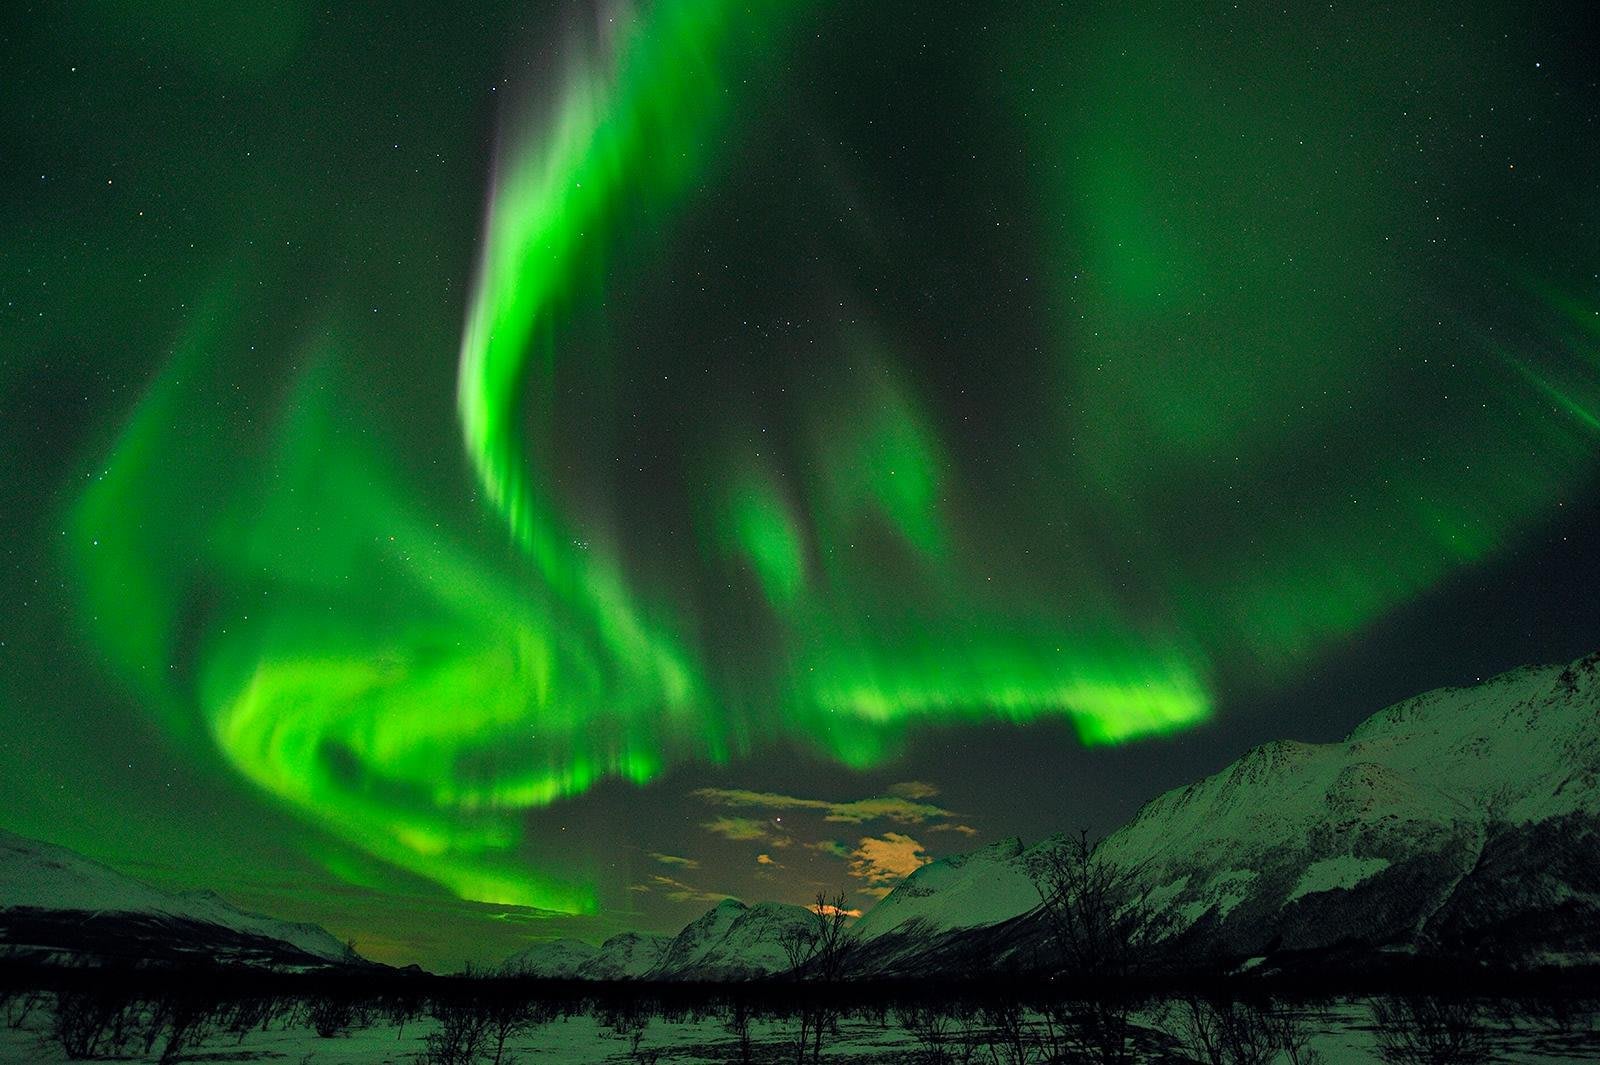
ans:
(478, 473)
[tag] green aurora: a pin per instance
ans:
(1176, 385)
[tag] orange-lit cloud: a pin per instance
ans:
(828, 909)
(884, 862)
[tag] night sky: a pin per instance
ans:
(476, 473)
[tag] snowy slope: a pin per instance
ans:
(982, 888)
(628, 956)
(1462, 821)
(554, 959)
(730, 941)
(44, 888)
(1389, 834)
(690, 946)
(733, 941)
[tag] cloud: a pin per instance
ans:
(678, 891)
(885, 861)
(737, 828)
(828, 909)
(673, 859)
(881, 861)
(830, 846)
(897, 808)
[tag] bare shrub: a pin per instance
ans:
(461, 1037)
(1291, 1032)
(1096, 1028)
(630, 1020)
(95, 1023)
(933, 1026)
(184, 1016)
(1223, 1031)
(247, 1014)
(331, 1015)
(511, 1016)
(1217, 1030)
(20, 1004)
(1010, 1040)
(1430, 1030)
(737, 1020)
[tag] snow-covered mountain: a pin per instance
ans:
(699, 936)
(55, 902)
(1463, 821)
(732, 941)
(954, 914)
(628, 956)
(965, 891)
(554, 959)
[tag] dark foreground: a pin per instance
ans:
(1408, 1015)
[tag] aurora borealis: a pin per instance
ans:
(518, 471)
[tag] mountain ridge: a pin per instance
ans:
(56, 902)
(1460, 822)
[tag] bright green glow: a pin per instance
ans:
(882, 462)
(628, 131)
(355, 664)
(760, 527)
(626, 138)
(1009, 679)
(1230, 456)
(1563, 400)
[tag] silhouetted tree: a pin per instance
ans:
(1106, 928)
(818, 952)
(1291, 1032)
(1109, 935)
(20, 1003)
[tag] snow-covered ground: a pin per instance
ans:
(1343, 1034)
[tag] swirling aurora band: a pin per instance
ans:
(414, 695)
